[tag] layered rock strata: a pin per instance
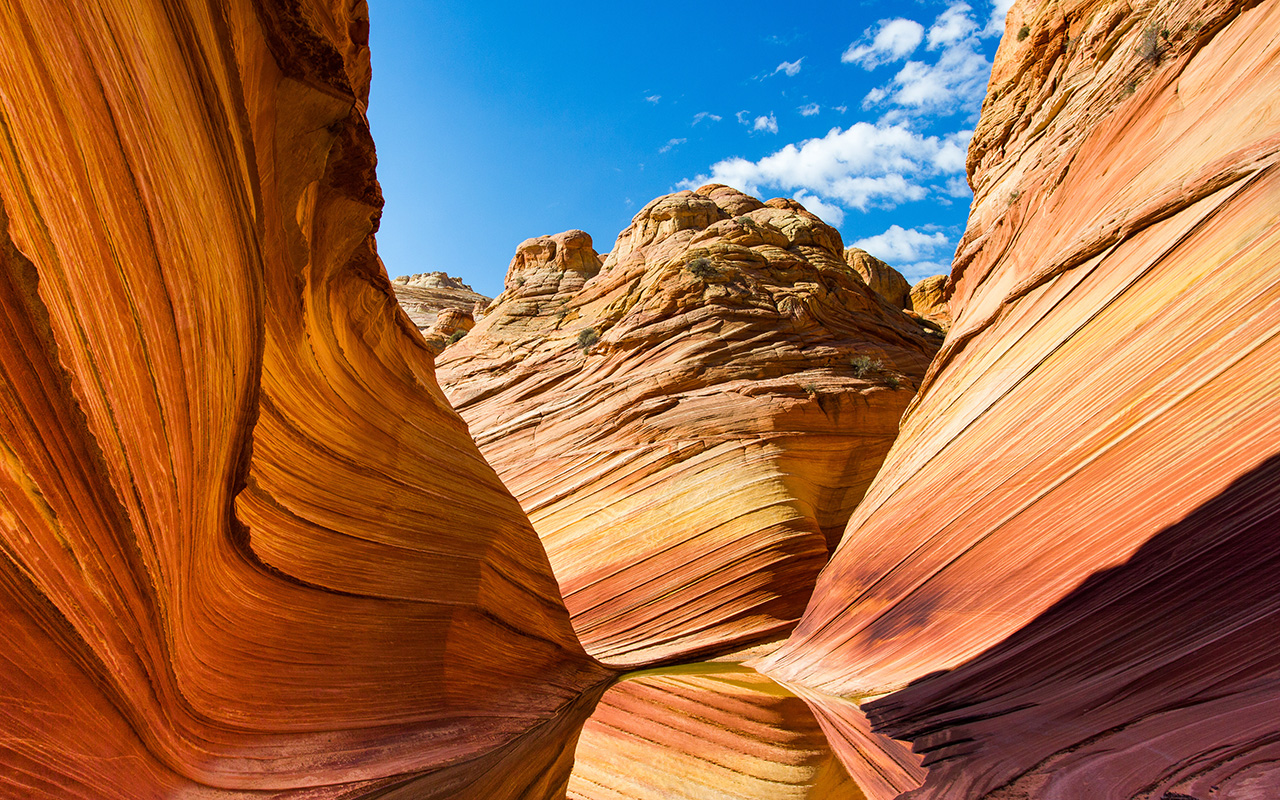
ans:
(883, 279)
(436, 302)
(232, 565)
(707, 735)
(1078, 520)
(928, 298)
(689, 421)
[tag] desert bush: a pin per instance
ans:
(587, 337)
(456, 337)
(1024, 32)
(866, 366)
(702, 268)
(1149, 45)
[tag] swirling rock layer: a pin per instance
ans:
(731, 735)
(231, 564)
(686, 422)
(1079, 517)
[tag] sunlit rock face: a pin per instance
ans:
(429, 295)
(721, 732)
(928, 299)
(690, 421)
(1079, 517)
(883, 279)
(248, 547)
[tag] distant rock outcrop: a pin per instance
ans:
(928, 299)
(425, 296)
(690, 421)
(1075, 535)
(883, 279)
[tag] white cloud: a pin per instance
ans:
(995, 25)
(842, 109)
(827, 212)
(920, 270)
(768, 124)
(653, 98)
(809, 110)
(743, 117)
(670, 144)
(955, 81)
(951, 26)
(900, 245)
(791, 68)
(701, 115)
(958, 187)
(895, 39)
(864, 165)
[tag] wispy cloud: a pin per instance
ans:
(953, 81)
(767, 124)
(829, 213)
(743, 117)
(900, 245)
(892, 40)
(995, 25)
(791, 68)
(670, 144)
(653, 98)
(705, 115)
(859, 167)
(809, 110)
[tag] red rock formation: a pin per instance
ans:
(883, 279)
(231, 565)
(424, 297)
(1079, 517)
(928, 298)
(690, 422)
(709, 735)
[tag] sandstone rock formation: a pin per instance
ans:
(232, 567)
(424, 297)
(928, 299)
(730, 734)
(690, 421)
(883, 279)
(1078, 520)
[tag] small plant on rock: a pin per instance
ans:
(456, 337)
(702, 268)
(587, 337)
(1024, 32)
(1149, 45)
(866, 366)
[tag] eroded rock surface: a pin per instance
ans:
(883, 279)
(1078, 520)
(689, 421)
(730, 735)
(427, 296)
(928, 299)
(233, 564)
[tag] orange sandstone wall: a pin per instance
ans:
(684, 420)
(1079, 518)
(231, 563)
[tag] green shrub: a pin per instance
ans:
(1024, 32)
(893, 381)
(866, 366)
(457, 337)
(702, 268)
(587, 337)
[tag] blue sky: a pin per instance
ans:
(496, 122)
